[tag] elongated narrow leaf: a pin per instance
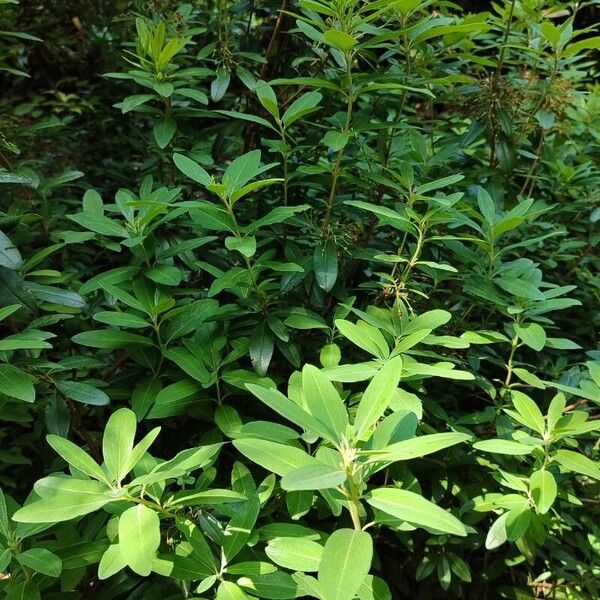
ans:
(42, 561)
(313, 477)
(63, 507)
(419, 446)
(499, 446)
(324, 402)
(415, 509)
(573, 461)
(192, 169)
(277, 458)
(76, 457)
(286, 408)
(377, 396)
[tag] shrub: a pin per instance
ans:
(299, 299)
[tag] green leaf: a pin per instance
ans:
(190, 364)
(63, 506)
(301, 107)
(313, 477)
(324, 402)
(112, 562)
(418, 446)
(543, 490)
(100, 224)
(244, 245)
(10, 257)
(589, 43)
(6, 311)
(345, 564)
(16, 383)
(431, 319)
(110, 339)
(529, 411)
(496, 535)
(287, 409)
(339, 39)
(117, 442)
(163, 131)
(415, 509)
(275, 457)
(532, 334)
(83, 392)
(376, 398)
(261, 348)
(41, 561)
(120, 319)
(241, 170)
(295, 553)
(238, 530)
(76, 457)
(192, 169)
(131, 102)
(325, 264)
(573, 461)
(139, 538)
(266, 96)
(228, 590)
(498, 446)
(365, 336)
(219, 86)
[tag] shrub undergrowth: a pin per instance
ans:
(299, 299)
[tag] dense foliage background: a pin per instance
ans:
(334, 265)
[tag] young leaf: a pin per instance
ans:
(76, 457)
(377, 396)
(324, 402)
(529, 411)
(117, 442)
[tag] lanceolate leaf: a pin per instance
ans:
(16, 383)
(277, 458)
(413, 508)
(77, 457)
(324, 403)
(419, 446)
(377, 396)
